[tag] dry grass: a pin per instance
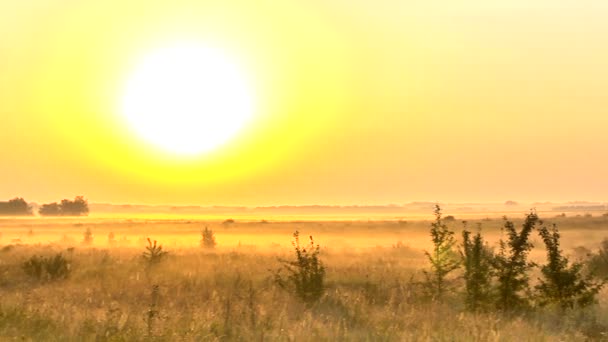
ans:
(229, 294)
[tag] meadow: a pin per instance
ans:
(373, 283)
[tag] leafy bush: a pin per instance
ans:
(208, 238)
(443, 259)
(47, 268)
(511, 264)
(563, 283)
(598, 263)
(477, 262)
(306, 274)
(154, 253)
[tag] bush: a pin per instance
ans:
(598, 263)
(477, 262)
(443, 259)
(306, 274)
(47, 268)
(154, 253)
(563, 283)
(208, 239)
(511, 265)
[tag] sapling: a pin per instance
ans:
(443, 259)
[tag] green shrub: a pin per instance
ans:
(598, 263)
(477, 262)
(512, 265)
(562, 283)
(443, 259)
(47, 268)
(306, 274)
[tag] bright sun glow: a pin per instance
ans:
(187, 99)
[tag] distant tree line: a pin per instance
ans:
(16, 207)
(19, 207)
(78, 207)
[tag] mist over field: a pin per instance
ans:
(201, 170)
(216, 278)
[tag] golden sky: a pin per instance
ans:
(356, 102)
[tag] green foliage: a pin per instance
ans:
(443, 259)
(306, 274)
(47, 268)
(512, 265)
(154, 253)
(208, 238)
(598, 263)
(563, 283)
(477, 262)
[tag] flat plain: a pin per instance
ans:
(374, 270)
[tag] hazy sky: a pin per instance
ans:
(366, 102)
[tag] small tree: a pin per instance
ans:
(598, 263)
(563, 283)
(208, 238)
(50, 209)
(443, 259)
(477, 261)
(154, 253)
(87, 237)
(306, 274)
(511, 264)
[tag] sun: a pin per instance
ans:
(187, 99)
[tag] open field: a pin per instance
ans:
(229, 293)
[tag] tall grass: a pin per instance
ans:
(232, 295)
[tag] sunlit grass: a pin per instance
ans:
(229, 293)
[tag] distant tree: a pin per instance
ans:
(78, 207)
(50, 209)
(208, 238)
(17, 206)
(87, 237)
(511, 203)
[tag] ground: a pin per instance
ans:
(229, 293)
